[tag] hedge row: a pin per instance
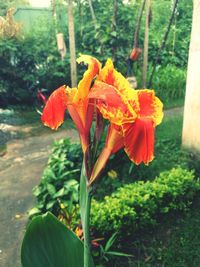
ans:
(141, 204)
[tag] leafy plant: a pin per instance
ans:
(48, 242)
(170, 82)
(105, 253)
(119, 171)
(58, 189)
(140, 204)
(35, 56)
(31, 58)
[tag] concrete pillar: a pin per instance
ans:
(191, 123)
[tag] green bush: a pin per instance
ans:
(30, 59)
(169, 83)
(129, 208)
(59, 183)
(141, 204)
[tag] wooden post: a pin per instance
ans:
(191, 123)
(146, 45)
(72, 45)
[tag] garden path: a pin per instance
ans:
(20, 170)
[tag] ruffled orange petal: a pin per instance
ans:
(110, 103)
(54, 110)
(109, 75)
(150, 106)
(139, 140)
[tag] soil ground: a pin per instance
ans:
(20, 170)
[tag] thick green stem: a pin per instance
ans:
(86, 232)
(85, 204)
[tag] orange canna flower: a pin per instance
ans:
(133, 115)
(76, 100)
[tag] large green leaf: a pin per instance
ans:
(49, 243)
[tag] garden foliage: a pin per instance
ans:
(131, 207)
(28, 63)
(64, 166)
(58, 189)
(141, 204)
(59, 247)
(34, 56)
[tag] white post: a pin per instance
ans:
(191, 123)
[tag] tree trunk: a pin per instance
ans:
(136, 34)
(146, 45)
(92, 14)
(159, 51)
(72, 46)
(53, 5)
(114, 28)
(191, 124)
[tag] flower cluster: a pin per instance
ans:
(105, 93)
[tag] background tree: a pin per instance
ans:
(72, 45)
(38, 59)
(159, 51)
(146, 44)
(6, 4)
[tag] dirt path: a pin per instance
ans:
(20, 171)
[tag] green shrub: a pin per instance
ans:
(129, 208)
(59, 183)
(169, 83)
(30, 59)
(141, 204)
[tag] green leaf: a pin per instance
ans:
(37, 191)
(114, 33)
(110, 242)
(49, 243)
(71, 183)
(34, 211)
(60, 193)
(50, 204)
(51, 189)
(120, 254)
